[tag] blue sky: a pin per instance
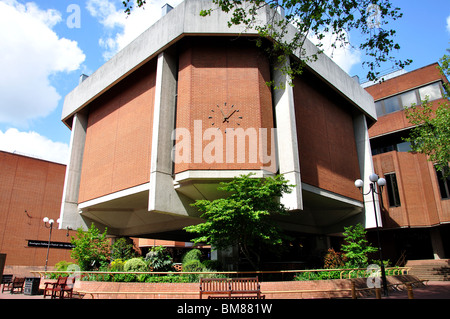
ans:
(46, 44)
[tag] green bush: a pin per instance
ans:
(122, 249)
(193, 265)
(117, 265)
(135, 265)
(62, 265)
(159, 259)
(193, 254)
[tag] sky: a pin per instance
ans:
(45, 45)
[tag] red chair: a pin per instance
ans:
(53, 287)
(65, 289)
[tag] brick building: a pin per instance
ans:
(30, 189)
(186, 106)
(416, 206)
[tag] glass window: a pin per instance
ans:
(404, 147)
(433, 91)
(379, 108)
(444, 184)
(408, 98)
(392, 190)
(392, 104)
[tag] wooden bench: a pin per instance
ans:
(16, 284)
(235, 288)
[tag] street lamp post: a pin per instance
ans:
(50, 225)
(374, 181)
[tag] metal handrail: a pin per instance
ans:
(403, 270)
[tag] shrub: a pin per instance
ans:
(193, 254)
(333, 260)
(62, 265)
(91, 249)
(121, 249)
(117, 265)
(159, 259)
(135, 265)
(193, 265)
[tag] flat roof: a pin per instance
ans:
(185, 20)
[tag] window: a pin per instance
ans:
(379, 108)
(432, 91)
(392, 190)
(392, 104)
(408, 98)
(404, 147)
(398, 102)
(444, 184)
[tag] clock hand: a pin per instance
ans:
(226, 119)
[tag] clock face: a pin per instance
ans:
(225, 116)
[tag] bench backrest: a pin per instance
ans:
(214, 284)
(245, 285)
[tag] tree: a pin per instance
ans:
(357, 247)
(243, 219)
(315, 19)
(91, 248)
(431, 132)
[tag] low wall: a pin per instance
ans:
(338, 288)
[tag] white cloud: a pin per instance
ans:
(120, 28)
(34, 145)
(448, 24)
(30, 52)
(343, 55)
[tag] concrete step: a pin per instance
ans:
(436, 270)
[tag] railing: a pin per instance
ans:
(343, 274)
(347, 273)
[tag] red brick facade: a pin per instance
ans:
(30, 189)
(421, 203)
(326, 139)
(119, 135)
(214, 75)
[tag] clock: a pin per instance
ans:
(225, 116)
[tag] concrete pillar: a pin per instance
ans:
(287, 146)
(366, 168)
(436, 242)
(162, 195)
(69, 214)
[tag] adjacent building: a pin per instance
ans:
(416, 205)
(31, 189)
(186, 106)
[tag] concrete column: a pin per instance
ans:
(69, 214)
(366, 168)
(436, 242)
(162, 195)
(287, 146)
